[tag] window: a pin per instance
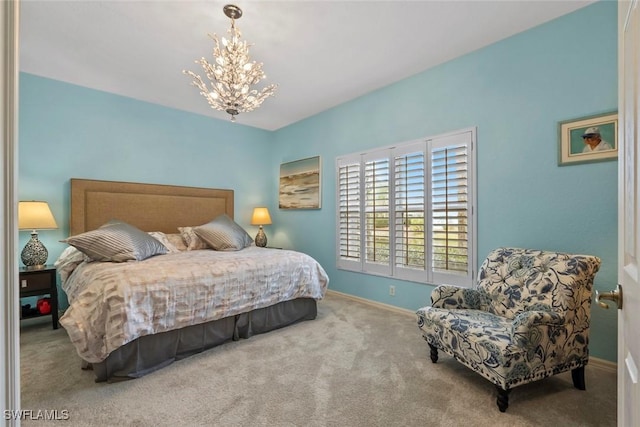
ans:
(407, 211)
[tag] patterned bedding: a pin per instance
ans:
(112, 304)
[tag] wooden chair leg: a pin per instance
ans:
(434, 353)
(503, 398)
(577, 375)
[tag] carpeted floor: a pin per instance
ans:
(355, 365)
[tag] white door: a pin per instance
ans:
(629, 213)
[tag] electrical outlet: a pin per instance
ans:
(392, 291)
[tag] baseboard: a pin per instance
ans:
(374, 303)
(603, 364)
(595, 362)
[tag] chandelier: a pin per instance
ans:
(232, 74)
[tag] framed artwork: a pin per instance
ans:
(300, 184)
(588, 139)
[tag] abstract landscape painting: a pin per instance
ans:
(300, 184)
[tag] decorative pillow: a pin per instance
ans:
(191, 239)
(116, 242)
(164, 239)
(224, 234)
(177, 241)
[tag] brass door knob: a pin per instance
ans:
(615, 296)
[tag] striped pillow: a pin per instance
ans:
(116, 242)
(223, 234)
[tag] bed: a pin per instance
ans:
(128, 319)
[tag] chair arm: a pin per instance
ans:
(524, 322)
(538, 317)
(454, 297)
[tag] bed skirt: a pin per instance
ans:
(152, 352)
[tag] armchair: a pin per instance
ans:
(527, 319)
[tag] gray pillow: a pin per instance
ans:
(223, 234)
(116, 241)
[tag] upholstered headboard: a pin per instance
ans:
(150, 207)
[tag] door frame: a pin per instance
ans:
(9, 320)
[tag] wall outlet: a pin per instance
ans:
(392, 291)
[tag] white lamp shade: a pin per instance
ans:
(35, 215)
(260, 216)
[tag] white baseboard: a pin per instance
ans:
(374, 303)
(595, 362)
(603, 365)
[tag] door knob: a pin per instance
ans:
(615, 296)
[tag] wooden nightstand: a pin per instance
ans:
(34, 283)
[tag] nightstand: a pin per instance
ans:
(37, 282)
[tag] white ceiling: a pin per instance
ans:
(320, 53)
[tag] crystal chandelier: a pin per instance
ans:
(232, 74)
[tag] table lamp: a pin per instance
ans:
(261, 217)
(34, 215)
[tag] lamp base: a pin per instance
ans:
(261, 238)
(34, 254)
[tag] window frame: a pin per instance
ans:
(428, 274)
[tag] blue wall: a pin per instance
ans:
(68, 131)
(514, 91)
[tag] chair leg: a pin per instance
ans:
(434, 353)
(503, 398)
(577, 375)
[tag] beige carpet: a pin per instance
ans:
(355, 365)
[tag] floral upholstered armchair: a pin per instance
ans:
(527, 319)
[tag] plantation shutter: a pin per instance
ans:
(349, 213)
(409, 211)
(451, 204)
(376, 212)
(406, 211)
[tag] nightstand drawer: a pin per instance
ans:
(35, 281)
